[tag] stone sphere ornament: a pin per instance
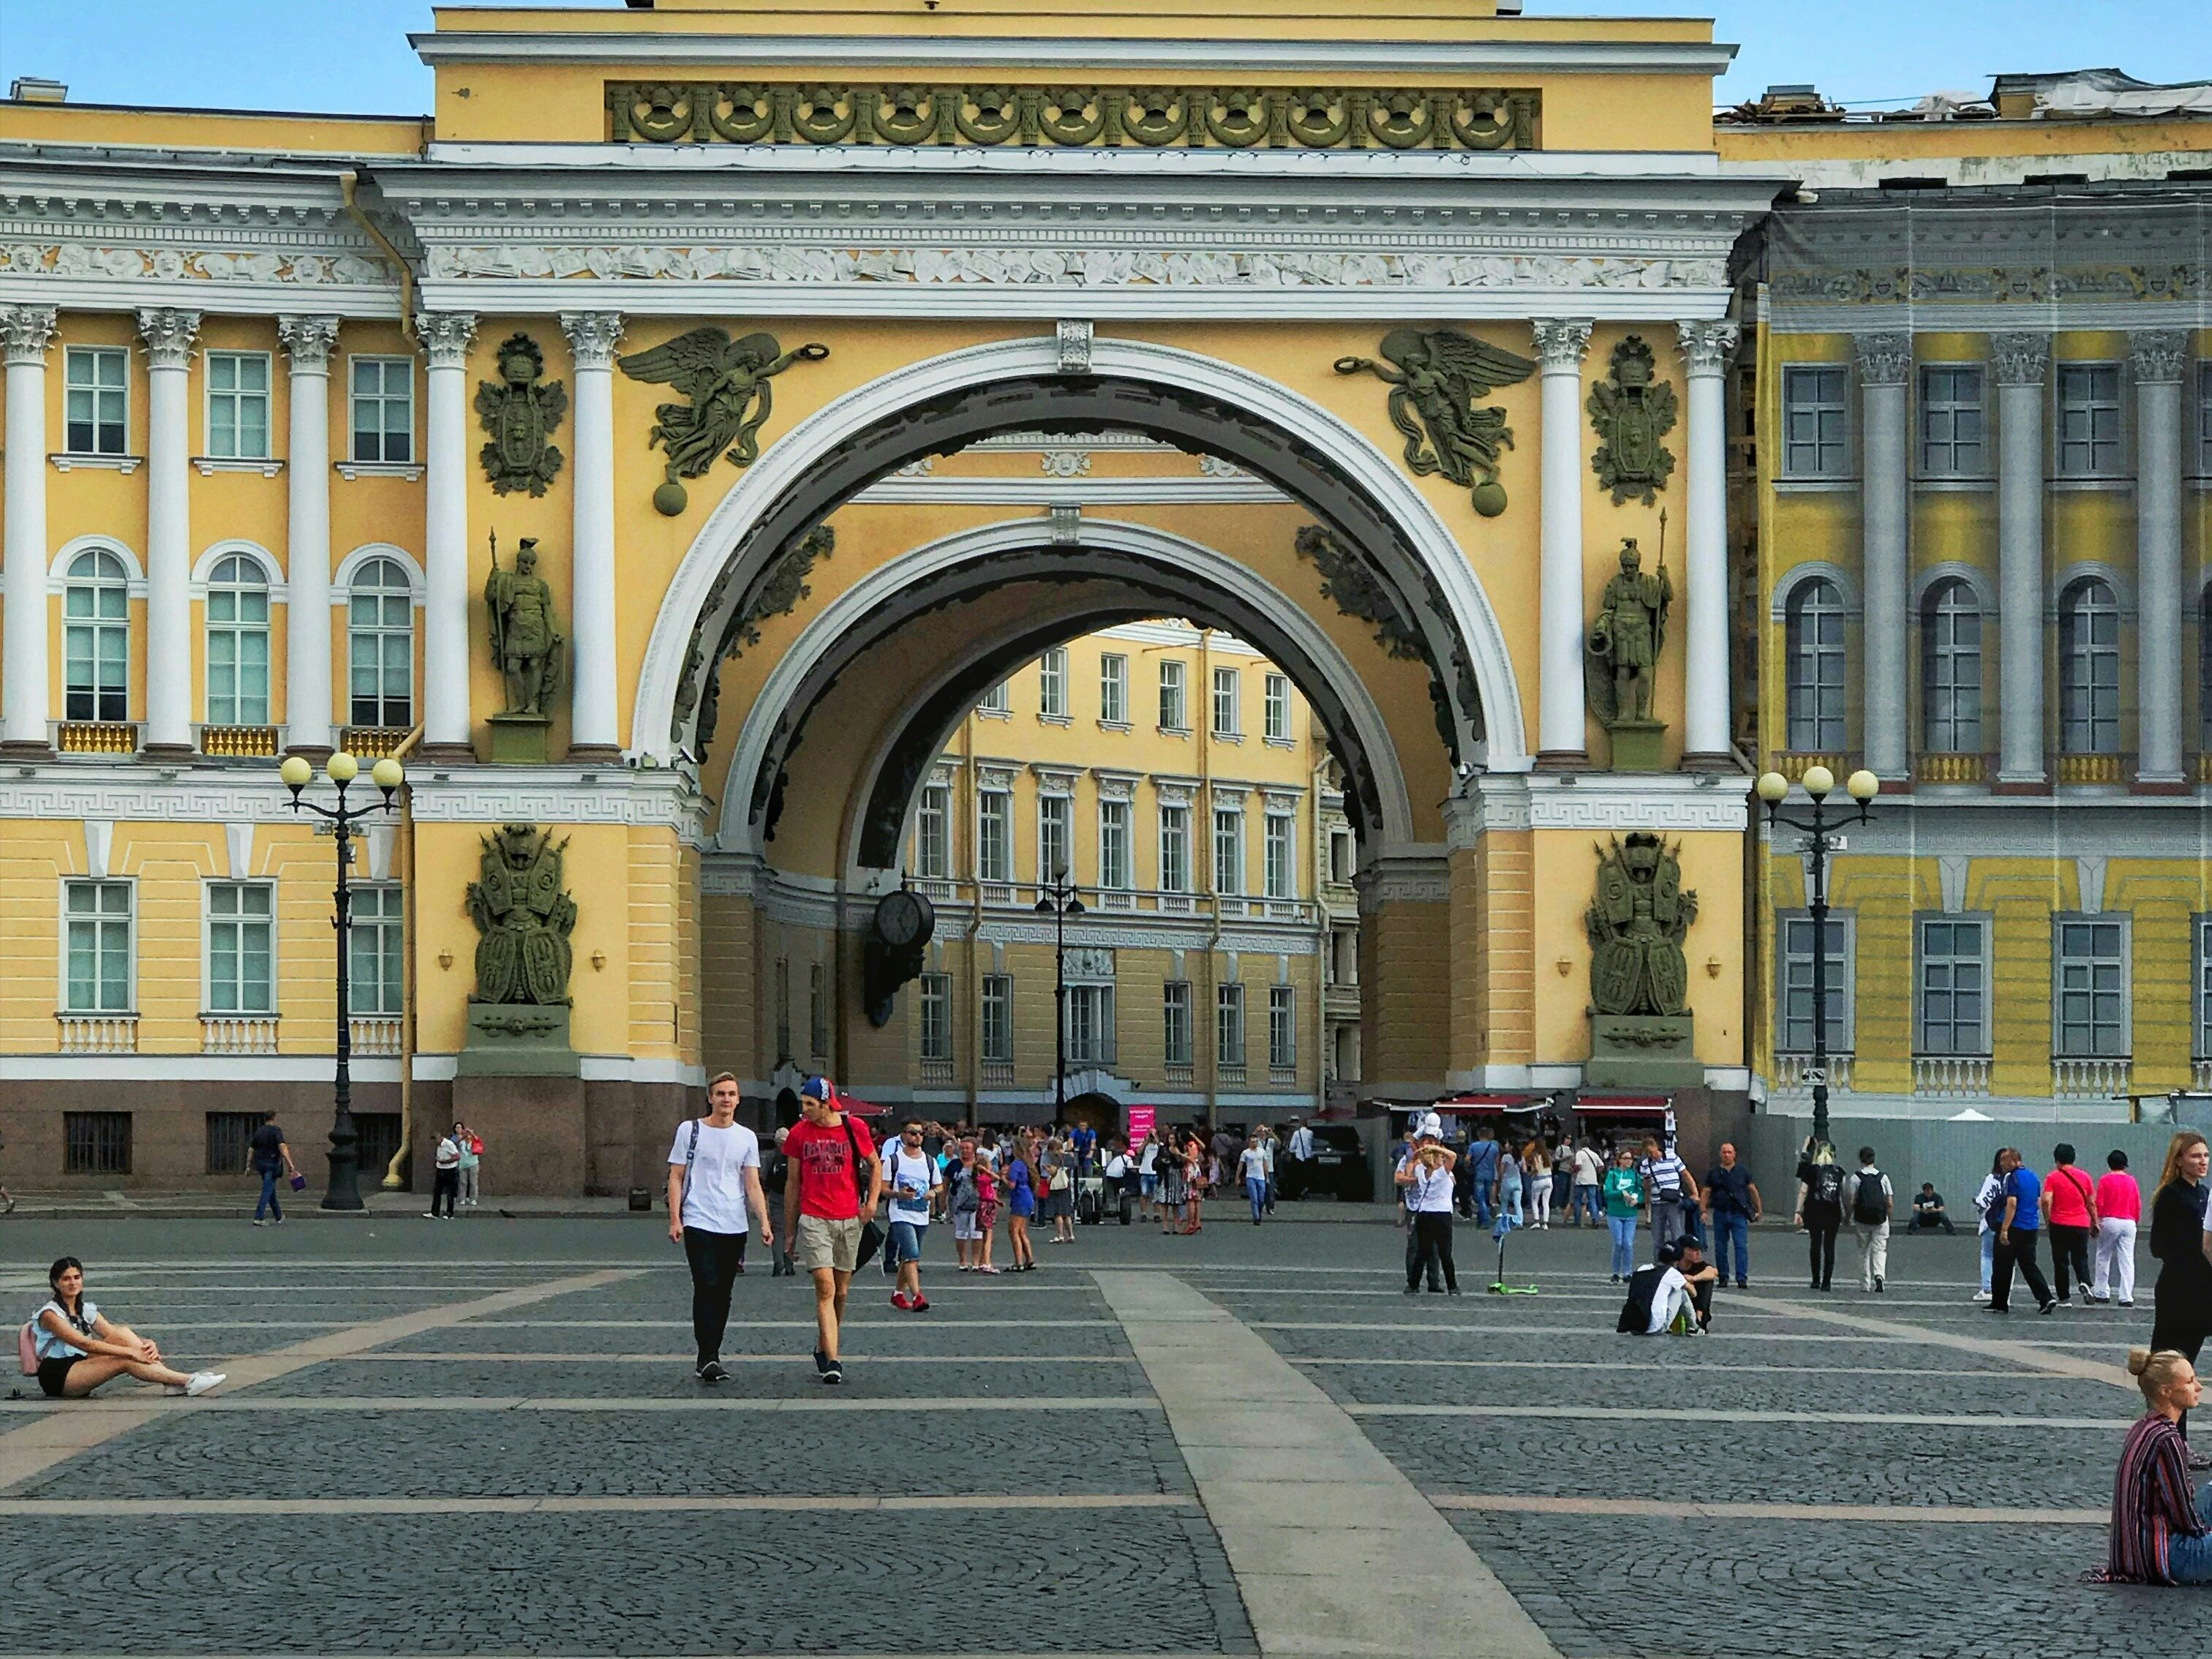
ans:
(671, 499)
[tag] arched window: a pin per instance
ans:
(2089, 669)
(1951, 670)
(96, 638)
(2204, 670)
(381, 646)
(1815, 631)
(237, 643)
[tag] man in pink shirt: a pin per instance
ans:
(2119, 1207)
(2069, 1213)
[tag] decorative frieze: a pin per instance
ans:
(1195, 118)
(170, 265)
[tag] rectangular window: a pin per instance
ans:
(1953, 435)
(818, 1010)
(97, 393)
(1175, 1022)
(1228, 849)
(1091, 1026)
(1174, 849)
(96, 645)
(1815, 422)
(376, 965)
(1339, 855)
(97, 1143)
(996, 700)
(237, 405)
(1114, 688)
(1955, 980)
(1228, 693)
(994, 836)
(237, 655)
(2204, 420)
(1175, 716)
(2089, 986)
(1282, 1028)
(98, 916)
(383, 409)
(1052, 683)
(1055, 853)
(1277, 708)
(1282, 859)
(2088, 420)
(1797, 969)
(2202, 1048)
(937, 1016)
(228, 1136)
(1229, 1025)
(933, 832)
(240, 926)
(1113, 845)
(999, 1017)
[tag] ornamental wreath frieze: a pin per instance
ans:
(1229, 118)
(166, 264)
(1993, 285)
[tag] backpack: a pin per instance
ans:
(1826, 1186)
(27, 1347)
(1870, 1204)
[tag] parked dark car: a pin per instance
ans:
(1340, 1167)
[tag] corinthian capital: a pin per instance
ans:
(1885, 359)
(28, 331)
(1705, 347)
(592, 337)
(308, 341)
(2155, 356)
(1560, 342)
(445, 336)
(2021, 359)
(169, 334)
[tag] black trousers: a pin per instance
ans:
(445, 1184)
(2021, 1253)
(1822, 1221)
(2069, 1250)
(716, 1261)
(1928, 1224)
(1432, 1238)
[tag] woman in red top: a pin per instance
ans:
(2161, 1532)
(2070, 1210)
(2119, 1209)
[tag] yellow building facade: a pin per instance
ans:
(881, 372)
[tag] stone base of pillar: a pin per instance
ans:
(168, 751)
(2020, 787)
(1723, 762)
(26, 749)
(2162, 787)
(1635, 744)
(1562, 760)
(448, 754)
(594, 754)
(313, 753)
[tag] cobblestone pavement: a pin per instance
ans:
(533, 1481)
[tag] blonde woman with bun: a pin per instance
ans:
(2162, 1530)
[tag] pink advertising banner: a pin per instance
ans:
(1141, 1119)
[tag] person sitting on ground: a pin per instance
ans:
(1674, 1293)
(1928, 1212)
(2161, 1532)
(79, 1348)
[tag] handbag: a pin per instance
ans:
(871, 1235)
(298, 1182)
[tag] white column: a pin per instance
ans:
(2021, 360)
(307, 343)
(169, 335)
(2156, 358)
(27, 330)
(595, 722)
(1561, 734)
(1884, 366)
(1704, 348)
(448, 734)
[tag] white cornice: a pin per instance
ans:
(736, 54)
(1659, 801)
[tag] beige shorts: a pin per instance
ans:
(833, 1244)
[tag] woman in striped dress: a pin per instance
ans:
(2162, 1531)
(1173, 1169)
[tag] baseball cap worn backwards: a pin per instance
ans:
(817, 1088)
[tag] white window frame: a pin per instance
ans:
(2061, 923)
(95, 629)
(239, 398)
(2204, 419)
(1055, 825)
(1173, 880)
(1000, 869)
(2200, 932)
(2093, 453)
(241, 632)
(933, 1017)
(128, 917)
(213, 921)
(1955, 732)
(1342, 869)
(1090, 1037)
(1229, 1024)
(1808, 728)
(102, 392)
(1116, 865)
(1228, 850)
(1941, 441)
(998, 1007)
(1052, 684)
(1113, 691)
(387, 934)
(1282, 1028)
(360, 589)
(1826, 457)
(1175, 1022)
(1275, 709)
(1280, 855)
(1174, 696)
(1984, 923)
(382, 398)
(1843, 942)
(932, 833)
(1228, 702)
(997, 702)
(2083, 731)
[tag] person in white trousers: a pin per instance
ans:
(1868, 1199)
(2119, 1207)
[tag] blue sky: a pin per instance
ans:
(352, 55)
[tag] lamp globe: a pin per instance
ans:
(342, 767)
(386, 774)
(1863, 786)
(1773, 787)
(295, 772)
(1819, 781)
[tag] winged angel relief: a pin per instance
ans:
(1434, 380)
(728, 383)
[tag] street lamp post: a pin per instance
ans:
(344, 1192)
(1821, 833)
(1059, 902)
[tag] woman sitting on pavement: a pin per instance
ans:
(2161, 1532)
(79, 1347)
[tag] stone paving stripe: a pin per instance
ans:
(858, 1502)
(2037, 1354)
(1306, 1507)
(706, 1402)
(1722, 1415)
(684, 1357)
(1673, 1508)
(62, 1432)
(563, 1653)
(902, 1321)
(1670, 1366)
(1891, 1333)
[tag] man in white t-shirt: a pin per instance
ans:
(714, 1178)
(1299, 1150)
(911, 1181)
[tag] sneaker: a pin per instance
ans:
(821, 1360)
(1743, 1284)
(2065, 1301)
(900, 1301)
(1981, 1295)
(429, 1215)
(278, 1221)
(202, 1382)
(833, 1372)
(921, 1304)
(2048, 1307)
(1616, 1279)
(712, 1372)
(259, 1223)
(1877, 1283)
(2128, 1303)
(1453, 1291)
(1412, 1290)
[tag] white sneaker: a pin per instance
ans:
(1981, 1295)
(202, 1381)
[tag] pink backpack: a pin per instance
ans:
(27, 1347)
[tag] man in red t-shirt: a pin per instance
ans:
(830, 1154)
